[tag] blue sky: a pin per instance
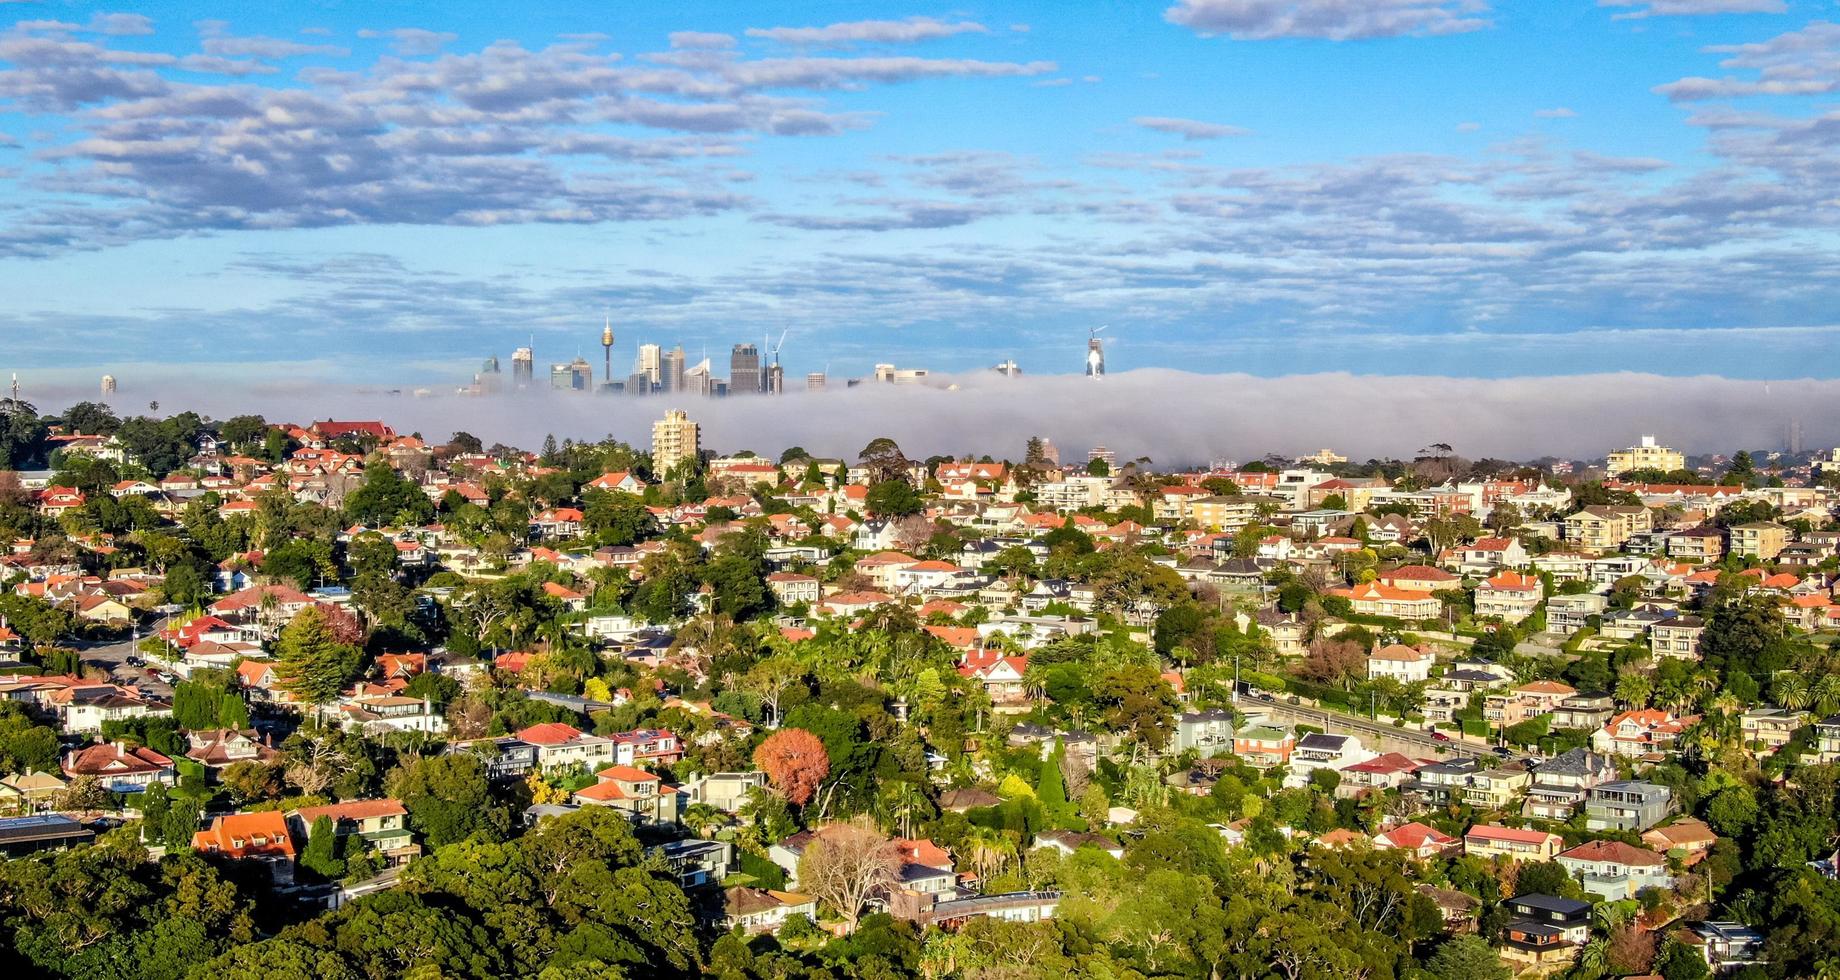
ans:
(391, 192)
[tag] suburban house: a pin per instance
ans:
(1263, 747)
(1559, 783)
(1419, 840)
(120, 769)
(1545, 931)
(641, 795)
(1614, 870)
(1510, 596)
(1627, 805)
(1374, 599)
(381, 824)
(1489, 841)
(1208, 732)
(261, 837)
(558, 744)
(1762, 540)
(1641, 732)
(1676, 637)
(1321, 750)
(1407, 665)
(758, 910)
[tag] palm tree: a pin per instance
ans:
(1634, 689)
(1825, 695)
(1790, 690)
(702, 818)
(904, 801)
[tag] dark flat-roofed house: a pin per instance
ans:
(1546, 930)
(20, 836)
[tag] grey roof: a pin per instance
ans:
(1323, 740)
(1551, 903)
(1573, 762)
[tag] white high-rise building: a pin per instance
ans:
(650, 364)
(108, 385)
(675, 439)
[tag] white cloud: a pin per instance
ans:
(1559, 112)
(1335, 20)
(868, 32)
(1688, 8)
(1189, 129)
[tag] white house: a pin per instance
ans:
(1402, 663)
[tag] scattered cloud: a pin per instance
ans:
(413, 41)
(1804, 62)
(1335, 20)
(1688, 8)
(868, 32)
(1189, 129)
(1468, 127)
(1559, 112)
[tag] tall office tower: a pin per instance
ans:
(607, 349)
(523, 367)
(1049, 453)
(1008, 368)
(490, 365)
(108, 386)
(577, 375)
(744, 369)
(1795, 432)
(648, 363)
(697, 380)
(671, 370)
(638, 384)
(1095, 355)
(814, 381)
(674, 439)
(776, 380)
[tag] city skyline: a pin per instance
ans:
(1474, 189)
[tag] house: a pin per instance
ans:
(1584, 711)
(262, 837)
(1444, 781)
(1766, 729)
(1687, 838)
(1524, 701)
(1497, 788)
(382, 824)
(621, 482)
(1571, 613)
(1378, 774)
(1677, 637)
(1407, 665)
(1420, 578)
(220, 747)
(119, 768)
(1208, 732)
(1627, 805)
(792, 589)
(1705, 543)
(1486, 555)
(22, 836)
(1458, 908)
(1491, 841)
(1374, 599)
(642, 796)
(1509, 596)
(758, 910)
(1827, 739)
(1264, 747)
(375, 715)
(726, 791)
(1727, 945)
(1545, 931)
(1001, 675)
(1641, 732)
(85, 709)
(558, 744)
(1559, 783)
(1321, 750)
(1614, 870)
(1069, 841)
(1422, 842)
(646, 746)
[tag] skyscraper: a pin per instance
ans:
(671, 370)
(523, 367)
(108, 386)
(675, 439)
(775, 382)
(1095, 355)
(814, 381)
(648, 364)
(744, 369)
(1009, 368)
(697, 380)
(577, 375)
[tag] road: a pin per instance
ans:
(113, 657)
(1380, 736)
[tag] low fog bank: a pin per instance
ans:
(1174, 417)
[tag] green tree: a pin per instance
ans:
(386, 497)
(894, 498)
(1467, 958)
(320, 856)
(310, 662)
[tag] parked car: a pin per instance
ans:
(1439, 737)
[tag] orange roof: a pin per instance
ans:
(1493, 832)
(247, 834)
(351, 810)
(627, 774)
(550, 733)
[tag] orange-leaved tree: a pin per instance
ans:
(795, 762)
